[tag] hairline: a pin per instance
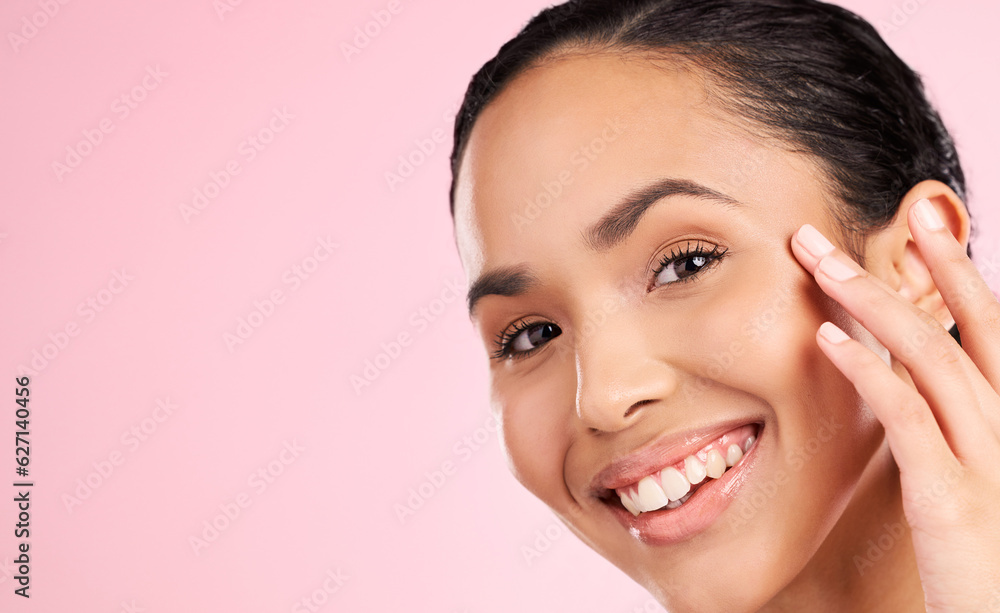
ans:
(726, 104)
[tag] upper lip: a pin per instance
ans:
(659, 453)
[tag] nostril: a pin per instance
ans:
(635, 407)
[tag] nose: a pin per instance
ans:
(619, 373)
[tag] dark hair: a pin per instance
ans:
(815, 75)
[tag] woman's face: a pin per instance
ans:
(635, 246)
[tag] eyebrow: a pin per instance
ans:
(609, 231)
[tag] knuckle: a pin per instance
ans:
(931, 339)
(868, 362)
(964, 508)
(914, 411)
(929, 322)
(958, 260)
(990, 318)
(945, 351)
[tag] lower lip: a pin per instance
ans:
(669, 526)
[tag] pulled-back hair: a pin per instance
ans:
(814, 75)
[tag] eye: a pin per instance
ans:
(684, 263)
(523, 338)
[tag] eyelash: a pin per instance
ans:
(504, 341)
(713, 255)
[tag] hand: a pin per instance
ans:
(944, 433)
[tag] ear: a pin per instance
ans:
(892, 255)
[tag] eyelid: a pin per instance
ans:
(505, 338)
(691, 247)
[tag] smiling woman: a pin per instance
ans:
(660, 322)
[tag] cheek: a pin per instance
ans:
(755, 337)
(536, 433)
(775, 331)
(762, 347)
(757, 342)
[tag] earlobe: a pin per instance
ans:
(899, 262)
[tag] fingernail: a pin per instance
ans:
(814, 242)
(927, 215)
(832, 333)
(836, 270)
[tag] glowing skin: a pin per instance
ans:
(641, 356)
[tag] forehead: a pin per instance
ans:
(565, 140)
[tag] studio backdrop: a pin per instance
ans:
(231, 287)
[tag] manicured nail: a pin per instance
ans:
(927, 215)
(814, 242)
(832, 333)
(836, 270)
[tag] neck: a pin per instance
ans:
(867, 561)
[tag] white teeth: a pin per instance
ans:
(694, 470)
(715, 464)
(675, 485)
(634, 497)
(628, 504)
(651, 496)
(733, 454)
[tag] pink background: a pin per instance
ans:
(335, 462)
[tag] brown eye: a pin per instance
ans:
(685, 264)
(524, 338)
(681, 268)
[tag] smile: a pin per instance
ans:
(678, 486)
(672, 486)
